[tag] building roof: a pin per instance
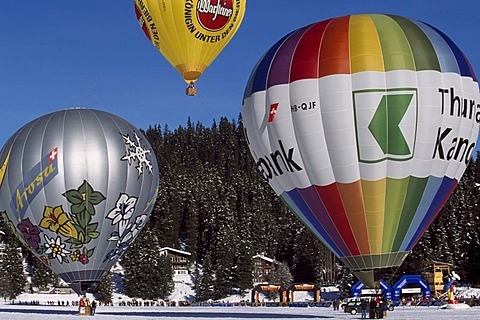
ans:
(261, 256)
(438, 262)
(176, 251)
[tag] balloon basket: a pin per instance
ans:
(84, 311)
(191, 90)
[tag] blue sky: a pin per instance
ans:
(57, 54)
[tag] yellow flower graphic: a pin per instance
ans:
(56, 220)
(75, 256)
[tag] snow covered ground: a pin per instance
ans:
(183, 292)
(44, 311)
(17, 312)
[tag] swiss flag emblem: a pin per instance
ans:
(273, 112)
(53, 155)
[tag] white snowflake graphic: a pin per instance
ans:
(135, 151)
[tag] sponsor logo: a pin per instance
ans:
(386, 124)
(34, 181)
(214, 15)
(212, 21)
(278, 162)
(448, 145)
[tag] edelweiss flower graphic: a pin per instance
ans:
(56, 249)
(123, 211)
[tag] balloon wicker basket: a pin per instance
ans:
(191, 90)
(84, 311)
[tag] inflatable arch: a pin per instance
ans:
(386, 290)
(304, 287)
(268, 287)
(409, 279)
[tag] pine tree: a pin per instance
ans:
(244, 268)
(203, 280)
(43, 277)
(147, 274)
(12, 276)
(281, 276)
(104, 289)
(165, 280)
(307, 263)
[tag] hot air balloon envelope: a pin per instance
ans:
(190, 34)
(363, 125)
(76, 187)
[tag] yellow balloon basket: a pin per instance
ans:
(191, 90)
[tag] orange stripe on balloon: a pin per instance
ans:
(334, 53)
(352, 200)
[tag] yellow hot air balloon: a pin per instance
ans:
(190, 33)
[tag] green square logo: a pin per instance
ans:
(385, 123)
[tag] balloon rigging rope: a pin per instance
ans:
(393, 275)
(206, 106)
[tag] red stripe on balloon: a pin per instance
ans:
(305, 57)
(320, 211)
(332, 201)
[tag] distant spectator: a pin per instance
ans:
(363, 307)
(373, 308)
(93, 306)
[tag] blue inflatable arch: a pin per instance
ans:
(409, 279)
(357, 289)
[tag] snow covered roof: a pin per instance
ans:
(438, 262)
(176, 251)
(261, 256)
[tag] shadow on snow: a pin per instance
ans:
(182, 315)
(38, 311)
(213, 315)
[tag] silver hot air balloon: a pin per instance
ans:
(76, 187)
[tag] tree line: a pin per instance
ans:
(213, 203)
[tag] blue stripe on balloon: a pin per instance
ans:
(462, 61)
(448, 63)
(258, 77)
(280, 67)
(295, 201)
(444, 191)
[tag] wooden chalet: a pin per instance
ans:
(262, 266)
(180, 259)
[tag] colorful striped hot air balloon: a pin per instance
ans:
(190, 34)
(363, 125)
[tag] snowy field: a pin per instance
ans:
(41, 312)
(44, 311)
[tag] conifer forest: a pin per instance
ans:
(214, 204)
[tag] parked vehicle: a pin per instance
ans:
(354, 306)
